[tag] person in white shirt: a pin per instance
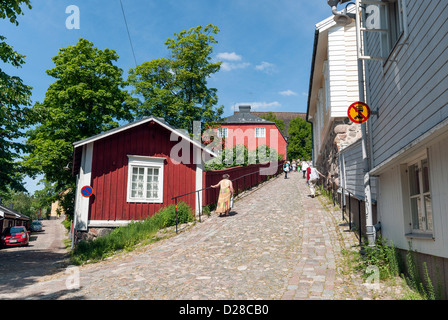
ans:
(304, 167)
(314, 177)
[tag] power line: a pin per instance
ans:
(129, 35)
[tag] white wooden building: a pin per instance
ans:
(407, 84)
(333, 88)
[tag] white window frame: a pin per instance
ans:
(388, 50)
(396, 25)
(223, 132)
(145, 163)
(424, 218)
(260, 132)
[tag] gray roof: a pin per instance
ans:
(12, 213)
(245, 116)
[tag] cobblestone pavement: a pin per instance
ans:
(278, 243)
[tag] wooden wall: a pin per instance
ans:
(411, 88)
(110, 173)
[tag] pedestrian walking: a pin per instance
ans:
(225, 195)
(294, 165)
(313, 178)
(286, 167)
(304, 167)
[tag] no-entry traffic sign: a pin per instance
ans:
(358, 112)
(86, 191)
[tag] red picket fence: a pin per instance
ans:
(243, 178)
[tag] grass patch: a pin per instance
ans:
(391, 267)
(126, 238)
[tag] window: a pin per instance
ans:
(388, 20)
(420, 197)
(260, 132)
(145, 179)
(392, 19)
(222, 133)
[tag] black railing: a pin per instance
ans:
(258, 171)
(333, 193)
(344, 207)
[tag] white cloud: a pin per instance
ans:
(230, 56)
(230, 61)
(266, 67)
(288, 93)
(228, 66)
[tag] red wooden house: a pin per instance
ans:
(133, 171)
(245, 128)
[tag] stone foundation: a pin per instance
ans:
(342, 133)
(93, 233)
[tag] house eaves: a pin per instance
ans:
(157, 120)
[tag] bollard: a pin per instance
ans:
(175, 209)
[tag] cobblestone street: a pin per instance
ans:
(278, 243)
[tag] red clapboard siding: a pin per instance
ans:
(110, 173)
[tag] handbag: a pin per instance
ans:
(231, 202)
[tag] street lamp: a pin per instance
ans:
(344, 18)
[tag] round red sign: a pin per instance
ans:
(358, 112)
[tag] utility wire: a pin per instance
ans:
(129, 35)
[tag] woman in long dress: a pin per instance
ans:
(225, 194)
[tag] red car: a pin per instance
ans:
(15, 236)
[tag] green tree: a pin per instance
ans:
(300, 140)
(14, 102)
(86, 99)
(175, 88)
(24, 203)
(11, 8)
(271, 117)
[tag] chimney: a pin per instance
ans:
(244, 109)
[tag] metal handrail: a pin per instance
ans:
(199, 190)
(354, 196)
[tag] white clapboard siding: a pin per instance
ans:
(393, 204)
(438, 157)
(343, 69)
(351, 65)
(337, 70)
(410, 92)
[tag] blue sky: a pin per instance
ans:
(265, 45)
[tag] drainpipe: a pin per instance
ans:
(344, 18)
(370, 229)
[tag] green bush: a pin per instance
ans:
(240, 156)
(125, 238)
(390, 265)
(383, 256)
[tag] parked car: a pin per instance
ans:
(36, 225)
(15, 236)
